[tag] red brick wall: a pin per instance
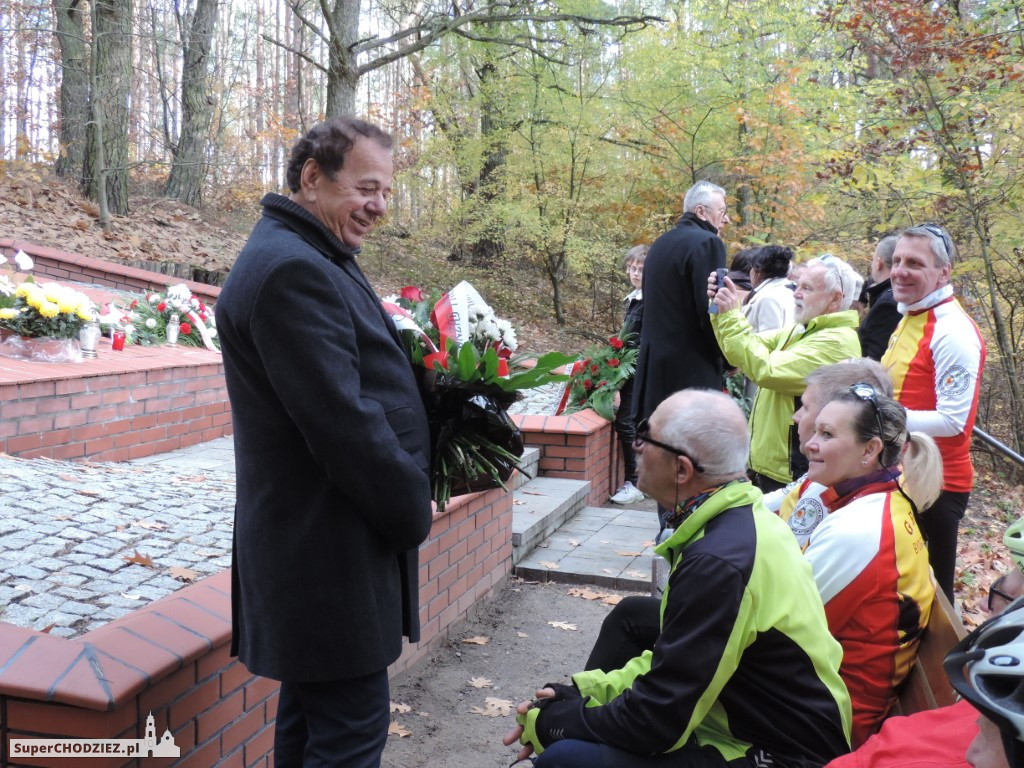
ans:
(115, 416)
(61, 265)
(580, 446)
(171, 657)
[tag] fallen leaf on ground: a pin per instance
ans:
(608, 570)
(478, 640)
(208, 553)
(586, 593)
(563, 625)
(138, 559)
(150, 525)
(629, 554)
(394, 729)
(62, 517)
(574, 542)
(521, 634)
(493, 708)
(649, 543)
(23, 588)
(184, 574)
(400, 708)
(532, 493)
(517, 502)
(612, 600)
(480, 682)
(69, 478)
(638, 574)
(549, 565)
(46, 630)
(193, 479)
(126, 596)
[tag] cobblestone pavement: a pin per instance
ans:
(67, 527)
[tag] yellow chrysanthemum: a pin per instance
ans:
(54, 293)
(27, 289)
(48, 309)
(83, 312)
(36, 301)
(9, 313)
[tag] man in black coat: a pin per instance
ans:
(677, 345)
(883, 316)
(332, 455)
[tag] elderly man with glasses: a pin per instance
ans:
(935, 358)
(778, 361)
(743, 670)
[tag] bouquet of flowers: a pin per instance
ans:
(157, 318)
(50, 311)
(45, 320)
(467, 386)
(600, 374)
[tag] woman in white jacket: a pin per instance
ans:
(770, 305)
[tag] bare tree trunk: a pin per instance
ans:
(74, 86)
(105, 175)
(189, 165)
(342, 73)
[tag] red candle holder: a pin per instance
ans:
(117, 341)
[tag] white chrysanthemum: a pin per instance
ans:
(150, 323)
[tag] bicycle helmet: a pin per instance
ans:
(1014, 541)
(987, 669)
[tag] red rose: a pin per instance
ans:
(613, 363)
(202, 317)
(134, 304)
(588, 384)
(595, 368)
(587, 362)
(161, 306)
(185, 329)
(603, 383)
(412, 293)
(616, 343)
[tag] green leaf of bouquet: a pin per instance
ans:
(489, 363)
(601, 402)
(467, 362)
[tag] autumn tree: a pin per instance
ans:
(188, 165)
(945, 87)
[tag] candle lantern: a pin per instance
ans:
(173, 327)
(87, 338)
(117, 341)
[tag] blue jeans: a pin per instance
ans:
(573, 753)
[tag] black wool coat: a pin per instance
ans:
(677, 345)
(332, 452)
(880, 321)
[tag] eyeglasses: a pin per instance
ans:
(643, 435)
(943, 235)
(994, 592)
(864, 391)
(826, 258)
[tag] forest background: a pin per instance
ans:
(538, 141)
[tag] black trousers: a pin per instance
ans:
(629, 629)
(333, 723)
(940, 525)
(625, 428)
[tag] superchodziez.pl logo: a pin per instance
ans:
(148, 746)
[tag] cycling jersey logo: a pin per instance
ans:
(808, 512)
(954, 381)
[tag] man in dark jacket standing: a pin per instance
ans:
(883, 316)
(332, 455)
(677, 345)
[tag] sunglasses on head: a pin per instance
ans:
(865, 392)
(643, 435)
(941, 233)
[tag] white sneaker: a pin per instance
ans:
(627, 494)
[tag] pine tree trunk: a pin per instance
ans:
(342, 72)
(105, 173)
(74, 86)
(188, 166)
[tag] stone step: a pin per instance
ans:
(600, 546)
(540, 506)
(529, 466)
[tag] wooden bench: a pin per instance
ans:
(926, 685)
